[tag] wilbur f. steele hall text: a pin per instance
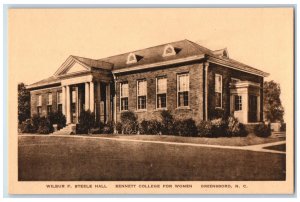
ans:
(184, 77)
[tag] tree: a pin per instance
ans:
(23, 103)
(273, 109)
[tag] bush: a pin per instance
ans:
(26, 127)
(129, 123)
(262, 130)
(168, 123)
(57, 118)
(45, 126)
(186, 127)
(205, 129)
(86, 122)
(119, 127)
(107, 128)
(235, 128)
(219, 127)
(219, 113)
(35, 122)
(283, 127)
(151, 127)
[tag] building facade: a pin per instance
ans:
(184, 77)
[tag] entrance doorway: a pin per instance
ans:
(252, 108)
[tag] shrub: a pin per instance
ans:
(35, 122)
(219, 127)
(129, 123)
(119, 127)
(168, 123)
(86, 122)
(151, 127)
(107, 128)
(235, 128)
(283, 127)
(26, 127)
(219, 113)
(262, 130)
(57, 118)
(205, 129)
(45, 126)
(186, 127)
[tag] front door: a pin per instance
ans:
(252, 113)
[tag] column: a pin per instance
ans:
(98, 92)
(108, 111)
(245, 106)
(87, 97)
(68, 107)
(92, 97)
(77, 105)
(258, 108)
(63, 99)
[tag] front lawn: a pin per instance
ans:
(48, 158)
(251, 139)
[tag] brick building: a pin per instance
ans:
(183, 77)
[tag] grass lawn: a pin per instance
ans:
(47, 158)
(280, 147)
(251, 139)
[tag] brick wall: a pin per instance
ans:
(227, 73)
(44, 93)
(195, 110)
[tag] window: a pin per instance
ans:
(49, 109)
(161, 93)
(39, 110)
(49, 100)
(218, 90)
(183, 90)
(169, 50)
(39, 100)
(124, 96)
(39, 105)
(74, 96)
(59, 101)
(237, 103)
(131, 58)
(142, 94)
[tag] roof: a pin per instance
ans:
(48, 81)
(154, 54)
(94, 63)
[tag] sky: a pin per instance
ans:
(40, 40)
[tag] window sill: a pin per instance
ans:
(141, 110)
(180, 108)
(160, 109)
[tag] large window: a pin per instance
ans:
(237, 103)
(218, 90)
(183, 90)
(161, 93)
(142, 94)
(59, 101)
(124, 96)
(39, 105)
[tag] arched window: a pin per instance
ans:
(168, 51)
(131, 58)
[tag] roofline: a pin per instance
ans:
(258, 73)
(158, 64)
(30, 87)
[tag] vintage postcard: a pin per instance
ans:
(151, 100)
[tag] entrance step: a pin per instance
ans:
(68, 130)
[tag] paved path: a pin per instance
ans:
(257, 148)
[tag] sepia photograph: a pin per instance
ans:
(151, 100)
